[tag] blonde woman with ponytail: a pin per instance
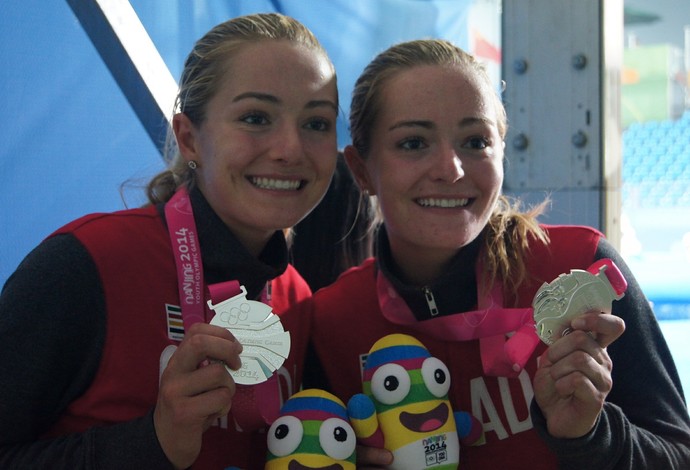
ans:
(107, 355)
(457, 266)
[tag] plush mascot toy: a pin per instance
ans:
(405, 407)
(312, 432)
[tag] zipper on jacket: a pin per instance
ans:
(430, 301)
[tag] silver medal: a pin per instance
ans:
(265, 345)
(557, 303)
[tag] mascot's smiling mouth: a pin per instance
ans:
(295, 465)
(425, 422)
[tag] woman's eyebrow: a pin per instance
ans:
(412, 123)
(257, 96)
(274, 99)
(472, 121)
(319, 103)
(465, 122)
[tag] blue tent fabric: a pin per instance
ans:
(70, 138)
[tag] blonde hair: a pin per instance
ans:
(509, 229)
(204, 68)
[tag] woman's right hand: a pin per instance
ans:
(195, 390)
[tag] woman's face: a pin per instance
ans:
(435, 162)
(267, 149)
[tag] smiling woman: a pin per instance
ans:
(125, 368)
(448, 171)
(457, 266)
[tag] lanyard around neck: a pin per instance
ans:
(489, 324)
(184, 238)
(187, 252)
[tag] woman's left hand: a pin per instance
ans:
(574, 375)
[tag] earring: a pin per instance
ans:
(192, 164)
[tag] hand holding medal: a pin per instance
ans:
(572, 316)
(265, 344)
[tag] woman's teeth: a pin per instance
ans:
(437, 202)
(272, 183)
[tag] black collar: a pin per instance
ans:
(454, 291)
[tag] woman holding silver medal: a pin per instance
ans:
(97, 371)
(457, 267)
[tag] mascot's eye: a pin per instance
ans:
(284, 436)
(390, 384)
(337, 438)
(436, 377)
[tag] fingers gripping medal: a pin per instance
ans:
(557, 303)
(265, 345)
